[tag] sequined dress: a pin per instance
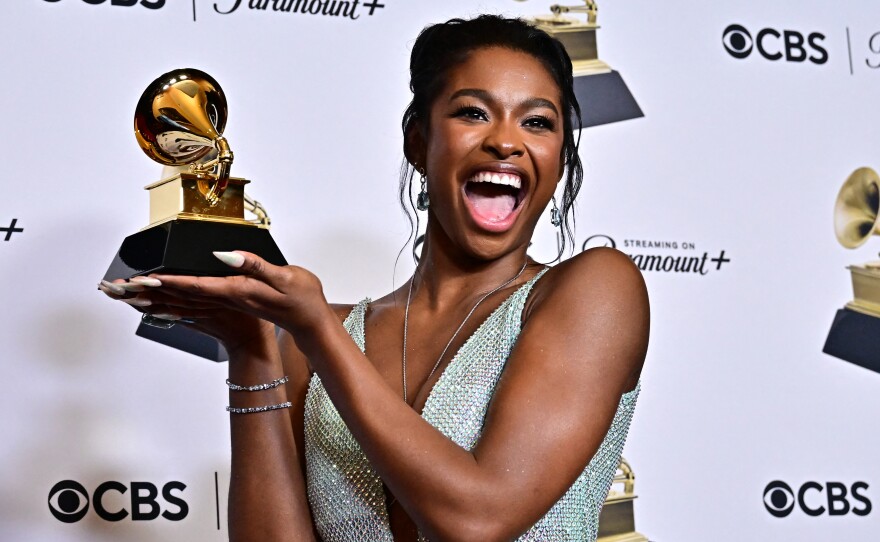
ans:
(345, 493)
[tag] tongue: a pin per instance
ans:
(490, 203)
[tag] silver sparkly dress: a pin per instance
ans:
(345, 493)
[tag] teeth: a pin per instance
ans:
(497, 178)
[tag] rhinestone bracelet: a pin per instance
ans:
(259, 387)
(253, 410)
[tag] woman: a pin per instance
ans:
(413, 420)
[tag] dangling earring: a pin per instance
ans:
(422, 202)
(555, 216)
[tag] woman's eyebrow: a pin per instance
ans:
(485, 96)
(540, 102)
(473, 92)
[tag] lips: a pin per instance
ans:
(494, 199)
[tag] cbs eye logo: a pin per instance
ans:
(149, 4)
(780, 499)
(69, 501)
(775, 45)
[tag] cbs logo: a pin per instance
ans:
(69, 501)
(780, 499)
(775, 45)
(150, 4)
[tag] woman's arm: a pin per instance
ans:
(266, 473)
(266, 470)
(582, 345)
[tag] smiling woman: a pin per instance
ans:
(490, 397)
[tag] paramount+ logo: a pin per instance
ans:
(817, 499)
(775, 45)
(69, 501)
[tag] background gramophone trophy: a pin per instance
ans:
(855, 333)
(600, 90)
(179, 122)
(617, 522)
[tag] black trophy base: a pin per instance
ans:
(185, 247)
(855, 337)
(604, 99)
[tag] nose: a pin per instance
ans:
(504, 140)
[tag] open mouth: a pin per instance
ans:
(494, 197)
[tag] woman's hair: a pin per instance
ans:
(443, 46)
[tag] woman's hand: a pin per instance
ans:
(235, 330)
(288, 296)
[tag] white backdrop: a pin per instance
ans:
(743, 156)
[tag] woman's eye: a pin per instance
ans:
(470, 112)
(539, 122)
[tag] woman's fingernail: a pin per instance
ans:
(132, 287)
(232, 259)
(135, 302)
(146, 281)
(115, 289)
(164, 316)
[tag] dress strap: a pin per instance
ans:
(354, 323)
(518, 301)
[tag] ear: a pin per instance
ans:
(414, 145)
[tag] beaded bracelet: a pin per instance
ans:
(259, 387)
(253, 410)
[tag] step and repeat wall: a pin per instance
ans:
(755, 113)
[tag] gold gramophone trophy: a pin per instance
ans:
(179, 122)
(578, 36)
(855, 333)
(617, 521)
(600, 90)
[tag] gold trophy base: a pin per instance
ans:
(617, 522)
(183, 197)
(866, 289)
(579, 40)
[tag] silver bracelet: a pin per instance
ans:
(253, 410)
(259, 387)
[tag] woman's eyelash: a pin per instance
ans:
(470, 111)
(475, 112)
(540, 121)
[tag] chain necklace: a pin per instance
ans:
(454, 335)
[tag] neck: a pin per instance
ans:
(446, 276)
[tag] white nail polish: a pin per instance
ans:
(172, 317)
(146, 281)
(232, 259)
(114, 288)
(132, 287)
(135, 302)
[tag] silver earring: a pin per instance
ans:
(555, 215)
(422, 201)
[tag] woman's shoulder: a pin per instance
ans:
(342, 310)
(597, 279)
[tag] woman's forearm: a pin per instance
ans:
(266, 473)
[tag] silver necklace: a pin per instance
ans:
(454, 335)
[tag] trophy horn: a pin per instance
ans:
(179, 120)
(857, 208)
